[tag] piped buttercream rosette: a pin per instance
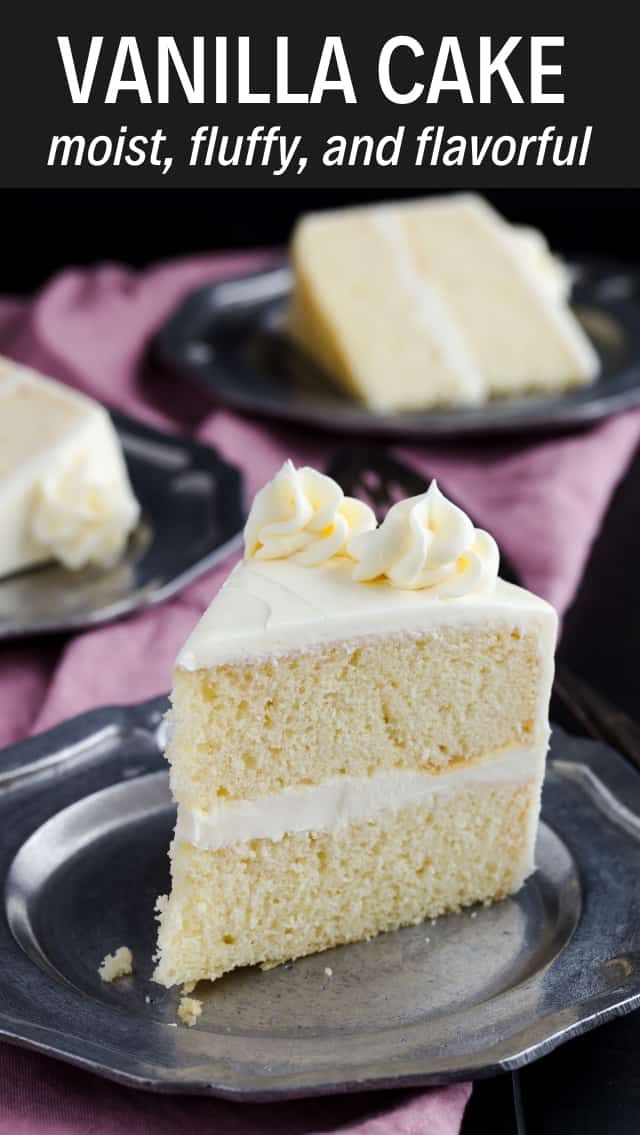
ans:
(81, 518)
(303, 515)
(426, 542)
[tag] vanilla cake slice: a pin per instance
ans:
(358, 733)
(443, 294)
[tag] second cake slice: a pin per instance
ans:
(435, 302)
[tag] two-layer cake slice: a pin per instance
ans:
(359, 730)
(444, 295)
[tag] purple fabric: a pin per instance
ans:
(544, 501)
(39, 1096)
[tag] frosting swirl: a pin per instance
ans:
(427, 542)
(81, 519)
(303, 515)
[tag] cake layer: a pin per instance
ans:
(265, 902)
(421, 701)
(298, 674)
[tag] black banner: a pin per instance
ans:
(416, 96)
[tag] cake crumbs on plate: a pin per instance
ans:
(116, 965)
(328, 971)
(474, 914)
(189, 1009)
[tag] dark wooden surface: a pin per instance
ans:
(590, 1086)
(601, 637)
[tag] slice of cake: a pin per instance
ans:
(432, 303)
(65, 490)
(358, 732)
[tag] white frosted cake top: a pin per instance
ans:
(270, 608)
(318, 570)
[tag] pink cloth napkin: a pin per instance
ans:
(543, 501)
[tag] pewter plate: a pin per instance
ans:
(229, 338)
(85, 820)
(192, 516)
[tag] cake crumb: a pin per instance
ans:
(189, 1010)
(433, 921)
(147, 999)
(116, 965)
(474, 914)
(427, 940)
(328, 971)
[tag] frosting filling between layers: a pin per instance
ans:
(430, 305)
(344, 800)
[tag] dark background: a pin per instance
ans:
(46, 229)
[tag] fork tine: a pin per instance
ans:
(380, 479)
(375, 476)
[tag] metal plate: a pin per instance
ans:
(192, 516)
(229, 338)
(85, 820)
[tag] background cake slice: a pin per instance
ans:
(65, 491)
(434, 302)
(357, 739)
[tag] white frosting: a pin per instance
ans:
(430, 305)
(303, 515)
(64, 490)
(82, 516)
(532, 249)
(344, 800)
(268, 608)
(426, 542)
